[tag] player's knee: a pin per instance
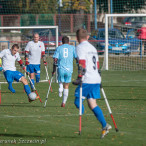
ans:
(77, 104)
(23, 80)
(66, 85)
(37, 77)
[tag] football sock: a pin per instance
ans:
(77, 104)
(60, 89)
(99, 115)
(11, 88)
(65, 95)
(27, 89)
(33, 83)
(37, 76)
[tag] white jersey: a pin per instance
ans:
(35, 51)
(85, 51)
(8, 60)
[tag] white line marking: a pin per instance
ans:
(127, 81)
(68, 115)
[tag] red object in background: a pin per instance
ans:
(141, 33)
(127, 23)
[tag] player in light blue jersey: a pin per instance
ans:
(63, 58)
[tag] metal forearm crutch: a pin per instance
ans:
(48, 92)
(109, 109)
(48, 76)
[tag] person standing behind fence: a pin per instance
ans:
(33, 52)
(63, 58)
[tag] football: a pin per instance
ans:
(32, 96)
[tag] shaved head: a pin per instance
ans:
(36, 37)
(81, 34)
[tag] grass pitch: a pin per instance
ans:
(24, 123)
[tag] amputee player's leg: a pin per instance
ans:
(10, 78)
(20, 77)
(77, 96)
(77, 103)
(37, 73)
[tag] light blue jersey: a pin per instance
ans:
(65, 54)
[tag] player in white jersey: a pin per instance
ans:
(1, 65)
(33, 52)
(9, 56)
(88, 68)
(63, 58)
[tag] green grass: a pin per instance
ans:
(126, 93)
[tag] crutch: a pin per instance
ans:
(80, 109)
(0, 93)
(109, 109)
(48, 76)
(48, 92)
(33, 86)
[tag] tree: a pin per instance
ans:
(76, 6)
(28, 6)
(43, 7)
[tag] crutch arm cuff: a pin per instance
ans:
(78, 81)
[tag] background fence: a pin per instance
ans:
(69, 16)
(66, 22)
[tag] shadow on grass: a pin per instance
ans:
(20, 105)
(50, 137)
(73, 137)
(128, 86)
(128, 99)
(18, 135)
(28, 105)
(4, 92)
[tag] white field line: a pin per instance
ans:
(102, 81)
(127, 81)
(68, 115)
